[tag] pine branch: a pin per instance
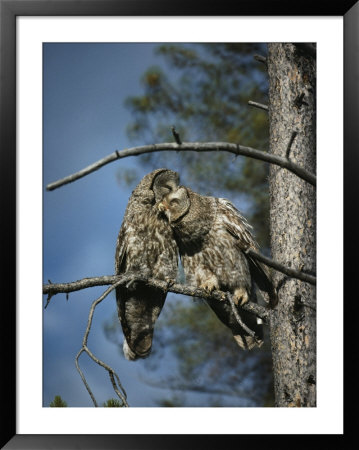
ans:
(236, 149)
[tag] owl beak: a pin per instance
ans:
(162, 207)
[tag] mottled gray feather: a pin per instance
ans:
(212, 235)
(146, 245)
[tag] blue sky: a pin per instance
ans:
(85, 86)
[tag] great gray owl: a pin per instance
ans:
(212, 235)
(145, 244)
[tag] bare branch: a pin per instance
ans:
(261, 59)
(191, 291)
(236, 149)
(83, 284)
(114, 378)
(118, 388)
(57, 288)
(83, 377)
(286, 270)
(239, 320)
(258, 105)
(290, 143)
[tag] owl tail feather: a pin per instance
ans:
(138, 309)
(261, 276)
(131, 355)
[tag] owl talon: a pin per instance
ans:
(240, 296)
(209, 286)
(169, 282)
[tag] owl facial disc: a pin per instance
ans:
(175, 205)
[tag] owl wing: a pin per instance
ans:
(138, 305)
(138, 250)
(122, 292)
(121, 250)
(238, 227)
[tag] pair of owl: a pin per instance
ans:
(164, 219)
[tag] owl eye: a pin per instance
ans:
(174, 201)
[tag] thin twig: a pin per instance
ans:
(239, 320)
(112, 374)
(176, 135)
(118, 388)
(258, 105)
(290, 143)
(260, 58)
(281, 268)
(48, 300)
(236, 149)
(83, 377)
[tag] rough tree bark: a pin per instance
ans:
(292, 118)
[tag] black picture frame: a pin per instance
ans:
(9, 10)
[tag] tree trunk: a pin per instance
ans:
(292, 108)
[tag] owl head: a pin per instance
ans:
(175, 205)
(164, 182)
